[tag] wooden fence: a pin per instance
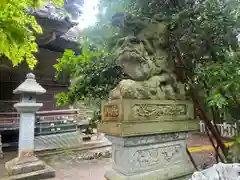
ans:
(226, 130)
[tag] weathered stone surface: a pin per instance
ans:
(146, 110)
(46, 173)
(30, 85)
(139, 117)
(143, 56)
(28, 168)
(148, 89)
(125, 129)
(148, 139)
(218, 172)
(26, 165)
(140, 154)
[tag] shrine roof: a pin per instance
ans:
(60, 25)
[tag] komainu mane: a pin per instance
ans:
(143, 56)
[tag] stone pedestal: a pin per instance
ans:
(26, 165)
(141, 117)
(148, 138)
(28, 168)
(161, 156)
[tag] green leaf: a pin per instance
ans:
(17, 29)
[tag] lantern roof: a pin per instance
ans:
(30, 85)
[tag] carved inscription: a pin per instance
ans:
(169, 155)
(111, 111)
(150, 157)
(156, 110)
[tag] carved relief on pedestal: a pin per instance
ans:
(158, 110)
(145, 158)
(110, 112)
(159, 138)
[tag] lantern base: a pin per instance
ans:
(28, 168)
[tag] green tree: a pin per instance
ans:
(18, 30)
(200, 34)
(93, 73)
(202, 41)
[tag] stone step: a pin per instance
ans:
(58, 141)
(46, 173)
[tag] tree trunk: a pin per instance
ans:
(199, 106)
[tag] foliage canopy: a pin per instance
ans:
(202, 40)
(18, 29)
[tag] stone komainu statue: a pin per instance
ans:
(143, 56)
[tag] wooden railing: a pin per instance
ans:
(10, 120)
(67, 114)
(56, 121)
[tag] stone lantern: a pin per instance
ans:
(26, 164)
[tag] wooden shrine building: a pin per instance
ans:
(59, 33)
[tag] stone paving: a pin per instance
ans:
(95, 169)
(92, 170)
(74, 166)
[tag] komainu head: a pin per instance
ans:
(142, 54)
